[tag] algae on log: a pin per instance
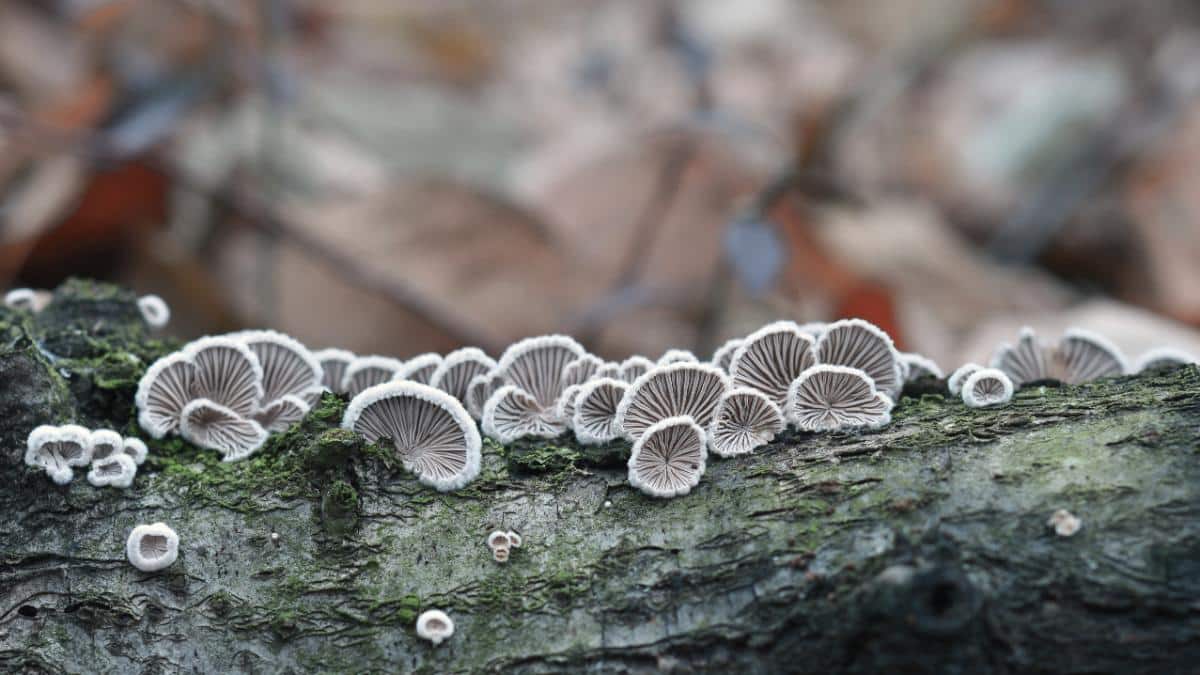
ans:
(919, 548)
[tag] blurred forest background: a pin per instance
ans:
(400, 176)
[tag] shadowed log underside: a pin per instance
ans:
(922, 547)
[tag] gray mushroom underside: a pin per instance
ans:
(923, 549)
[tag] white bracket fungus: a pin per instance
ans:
(282, 413)
(135, 448)
(960, 375)
(691, 389)
(213, 426)
(536, 365)
(595, 418)
(677, 356)
(368, 371)
(564, 410)
(57, 449)
(513, 413)
(1065, 523)
(500, 544)
(723, 357)
(771, 358)
(481, 389)
(289, 368)
(610, 369)
(334, 364)
(152, 547)
(116, 470)
(163, 392)
(420, 368)
(28, 299)
(1026, 362)
(435, 626)
(154, 311)
(581, 370)
(859, 344)
(634, 367)
(826, 398)
(456, 371)
(515, 539)
(917, 366)
(1080, 356)
(105, 442)
(745, 419)
(1163, 357)
(430, 430)
(668, 459)
(987, 387)
(226, 372)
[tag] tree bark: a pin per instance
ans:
(921, 548)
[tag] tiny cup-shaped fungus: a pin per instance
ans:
(513, 413)
(1064, 523)
(855, 343)
(668, 458)
(456, 371)
(434, 625)
(368, 371)
(987, 387)
(500, 543)
(152, 547)
(334, 364)
(216, 427)
(771, 358)
(135, 448)
(514, 538)
(959, 376)
(745, 419)
(691, 389)
(430, 431)
(28, 299)
(420, 368)
(917, 366)
(826, 398)
(105, 442)
(116, 470)
(155, 311)
(595, 418)
(57, 449)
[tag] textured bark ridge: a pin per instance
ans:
(920, 548)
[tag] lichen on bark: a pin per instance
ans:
(919, 548)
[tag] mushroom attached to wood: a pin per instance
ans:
(434, 625)
(595, 418)
(56, 450)
(854, 343)
(691, 389)
(669, 458)
(827, 398)
(987, 387)
(771, 358)
(151, 548)
(745, 419)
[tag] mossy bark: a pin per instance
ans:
(919, 548)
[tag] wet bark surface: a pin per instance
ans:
(923, 547)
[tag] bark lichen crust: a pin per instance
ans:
(921, 547)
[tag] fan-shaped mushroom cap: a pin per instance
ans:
(723, 357)
(668, 459)
(536, 365)
(513, 413)
(481, 389)
(581, 370)
(1083, 356)
(152, 547)
(634, 367)
(1163, 357)
(56, 449)
(917, 366)
(116, 470)
(227, 372)
(691, 389)
(430, 430)
(745, 419)
(987, 387)
(828, 397)
(282, 413)
(334, 364)
(1025, 362)
(456, 371)
(498, 539)
(515, 539)
(564, 410)
(135, 448)
(154, 311)
(28, 299)
(771, 358)
(595, 418)
(368, 371)
(420, 368)
(677, 356)
(105, 442)
(163, 392)
(858, 344)
(959, 376)
(435, 626)
(211, 425)
(289, 368)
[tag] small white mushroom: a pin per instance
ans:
(987, 387)
(634, 367)
(564, 410)
(216, 427)
(456, 371)
(334, 364)
(116, 470)
(368, 371)
(282, 413)
(1163, 357)
(481, 389)
(430, 431)
(855, 343)
(691, 389)
(826, 398)
(960, 375)
(917, 366)
(28, 299)
(1080, 356)
(135, 448)
(581, 370)
(154, 311)
(152, 547)
(513, 413)
(771, 358)
(723, 357)
(668, 458)
(419, 368)
(745, 419)
(536, 366)
(57, 449)
(595, 418)
(105, 442)
(1065, 524)
(515, 539)
(500, 543)
(677, 356)
(434, 625)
